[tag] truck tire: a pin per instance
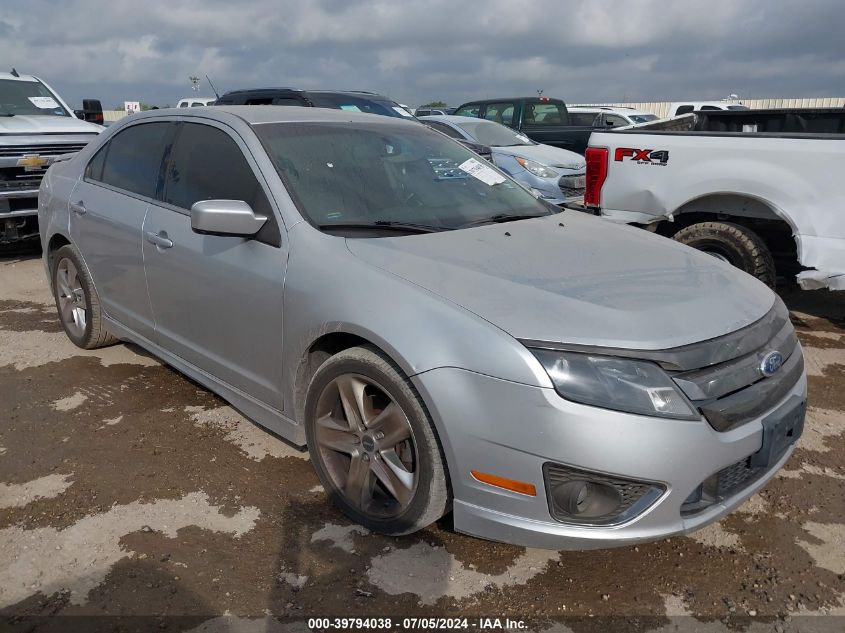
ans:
(77, 301)
(733, 243)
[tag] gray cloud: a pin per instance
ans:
(579, 50)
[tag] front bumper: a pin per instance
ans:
(512, 430)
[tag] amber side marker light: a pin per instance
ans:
(521, 487)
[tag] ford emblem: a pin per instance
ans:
(771, 363)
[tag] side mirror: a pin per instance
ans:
(92, 111)
(225, 217)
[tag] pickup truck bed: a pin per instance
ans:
(763, 202)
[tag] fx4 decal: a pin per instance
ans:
(642, 156)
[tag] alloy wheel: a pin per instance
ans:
(366, 445)
(73, 307)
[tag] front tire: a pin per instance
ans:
(733, 243)
(373, 445)
(77, 301)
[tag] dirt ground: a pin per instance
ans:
(127, 490)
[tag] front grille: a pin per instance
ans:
(729, 480)
(734, 391)
(568, 188)
(55, 149)
(722, 485)
(18, 179)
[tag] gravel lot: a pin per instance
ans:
(126, 489)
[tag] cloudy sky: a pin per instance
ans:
(415, 52)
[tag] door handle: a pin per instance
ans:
(78, 208)
(159, 239)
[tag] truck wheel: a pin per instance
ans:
(733, 243)
(373, 445)
(77, 300)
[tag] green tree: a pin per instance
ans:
(435, 104)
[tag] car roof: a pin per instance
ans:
(259, 114)
(611, 109)
(351, 93)
(451, 118)
(723, 104)
(506, 99)
(271, 89)
(30, 78)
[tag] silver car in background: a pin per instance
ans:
(437, 337)
(556, 175)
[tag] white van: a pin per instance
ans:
(193, 102)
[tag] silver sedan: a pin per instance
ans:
(554, 174)
(436, 336)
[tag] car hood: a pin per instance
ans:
(24, 124)
(545, 154)
(588, 282)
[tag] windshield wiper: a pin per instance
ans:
(382, 225)
(503, 217)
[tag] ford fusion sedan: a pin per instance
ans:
(437, 337)
(556, 175)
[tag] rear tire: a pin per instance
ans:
(373, 445)
(77, 301)
(736, 244)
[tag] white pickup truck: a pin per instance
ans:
(36, 127)
(767, 202)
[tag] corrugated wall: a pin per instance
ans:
(661, 108)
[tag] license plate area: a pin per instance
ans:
(781, 428)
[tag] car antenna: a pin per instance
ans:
(213, 89)
(15, 73)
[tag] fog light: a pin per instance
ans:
(587, 499)
(583, 497)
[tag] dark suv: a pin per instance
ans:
(352, 100)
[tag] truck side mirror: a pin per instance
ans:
(92, 111)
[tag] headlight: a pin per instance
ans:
(621, 384)
(538, 169)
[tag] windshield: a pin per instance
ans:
(642, 118)
(28, 97)
(366, 173)
(493, 134)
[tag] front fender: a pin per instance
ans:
(329, 290)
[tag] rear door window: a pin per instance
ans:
(500, 113)
(542, 114)
(133, 160)
(468, 110)
(614, 120)
(586, 119)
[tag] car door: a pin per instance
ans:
(108, 207)
(217, 300)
